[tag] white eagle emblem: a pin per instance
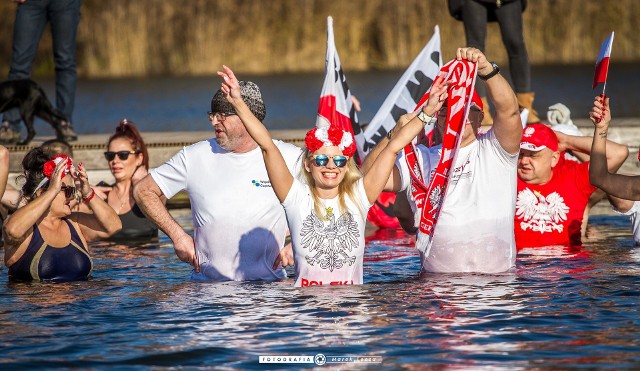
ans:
(330, 242)
(539, 213)
(435, 199)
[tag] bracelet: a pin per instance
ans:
(89, 197)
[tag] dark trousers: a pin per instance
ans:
(509, 17)
(31, 19)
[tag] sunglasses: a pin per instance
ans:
(122, 155)
(323, 160)
(220, 116)
(69, 191)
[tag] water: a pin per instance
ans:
(559, 309)
(181, 103)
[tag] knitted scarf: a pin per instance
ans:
(462, 75)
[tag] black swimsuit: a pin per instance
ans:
(60, 264)
(135, 226)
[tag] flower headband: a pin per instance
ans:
(329, 135)
(50, 166)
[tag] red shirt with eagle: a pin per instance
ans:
(551, 213)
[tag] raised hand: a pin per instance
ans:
(600, 113)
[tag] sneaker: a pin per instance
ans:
(8, 136)
(66, 130)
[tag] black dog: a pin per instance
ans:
(31, 101)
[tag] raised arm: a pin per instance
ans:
(149, 199)
(623, 186)
(382, 169)
(279, 174)
(507, 125)
(103, 221)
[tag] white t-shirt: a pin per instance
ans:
(329, 248)
(239, 224)
(632, 213)
(474, 232)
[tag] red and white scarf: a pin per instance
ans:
(462, 75)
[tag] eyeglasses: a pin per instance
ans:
(220, 116)
(323, 160)
(69, 191)
(122, 155)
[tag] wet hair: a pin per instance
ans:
(55, 146)
(127, 129)
(32, 165)
(346, 187)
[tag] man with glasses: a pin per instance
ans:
(474, 232)
(239, 225)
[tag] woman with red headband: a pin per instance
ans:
(326, 207)
(45, 239)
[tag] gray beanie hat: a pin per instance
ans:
(251, 96)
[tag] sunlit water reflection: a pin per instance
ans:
(560, 308)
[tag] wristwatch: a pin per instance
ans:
(426, 119)
(495, 71)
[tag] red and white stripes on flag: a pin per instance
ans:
(336, 107)
(602, 63)
(412, 86)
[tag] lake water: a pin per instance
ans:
(559, 309)
(181, 103)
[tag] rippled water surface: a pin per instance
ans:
(558, 309)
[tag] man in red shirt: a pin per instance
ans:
(553, 192)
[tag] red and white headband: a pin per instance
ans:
(329, 135)
(50, 166)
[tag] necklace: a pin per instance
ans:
(122, 202)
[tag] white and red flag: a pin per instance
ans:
(602, 63)
(336, 107)
(404, 96)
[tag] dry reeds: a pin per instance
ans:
(191, 37)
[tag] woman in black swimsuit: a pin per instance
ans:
(45, 239)
(129, 162)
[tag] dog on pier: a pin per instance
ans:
(29, 98)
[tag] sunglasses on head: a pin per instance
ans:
(122, 155)
(69, 191)
(323, 160)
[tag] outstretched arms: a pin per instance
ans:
(279, 174)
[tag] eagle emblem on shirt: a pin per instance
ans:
(331, 243)
(539, 213)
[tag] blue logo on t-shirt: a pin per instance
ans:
(261, 183)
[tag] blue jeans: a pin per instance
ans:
(509, 17)
(31, 19)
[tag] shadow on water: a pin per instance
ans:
(181, 103)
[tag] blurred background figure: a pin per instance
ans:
(31, 18)
(508, 13)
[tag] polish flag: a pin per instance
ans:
(336, 107)
(602, 64)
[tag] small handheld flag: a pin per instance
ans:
(602, 63)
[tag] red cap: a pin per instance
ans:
(536, 137)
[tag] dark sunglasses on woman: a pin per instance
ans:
(323, 160)
(69, 191)
(122, 155)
